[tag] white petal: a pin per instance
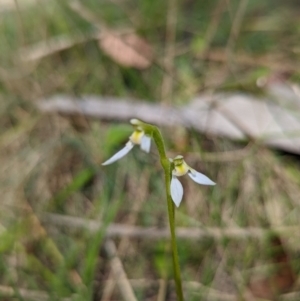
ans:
(176, 191)
(200, 178)
(146, 143)
(120, 154)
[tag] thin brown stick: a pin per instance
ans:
(10, 292)
(118, 271)
(53, 45)
(270, 61)
(162, 290)
(138, 195)
(235, 155)
(191, 286)
(118, 230)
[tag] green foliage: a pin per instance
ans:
(48, 165)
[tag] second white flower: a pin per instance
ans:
(180, 169)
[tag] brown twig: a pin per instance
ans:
(118, 271)
(269, 61)
(120, 230)
(10, 292)
(53, 45)
(138, 195)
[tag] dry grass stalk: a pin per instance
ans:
(118, 230)
(51, 46)
(138, 190)
(192, 286)
(118, 272)
(11, 292)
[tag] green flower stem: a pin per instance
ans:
(167, 165)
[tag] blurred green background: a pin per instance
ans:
(53, 184)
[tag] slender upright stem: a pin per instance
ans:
(171, 212)
(166, 165)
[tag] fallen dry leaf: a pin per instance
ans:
(271, 120)
(128, 50)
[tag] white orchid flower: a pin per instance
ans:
(138, 137)
(180, 169)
